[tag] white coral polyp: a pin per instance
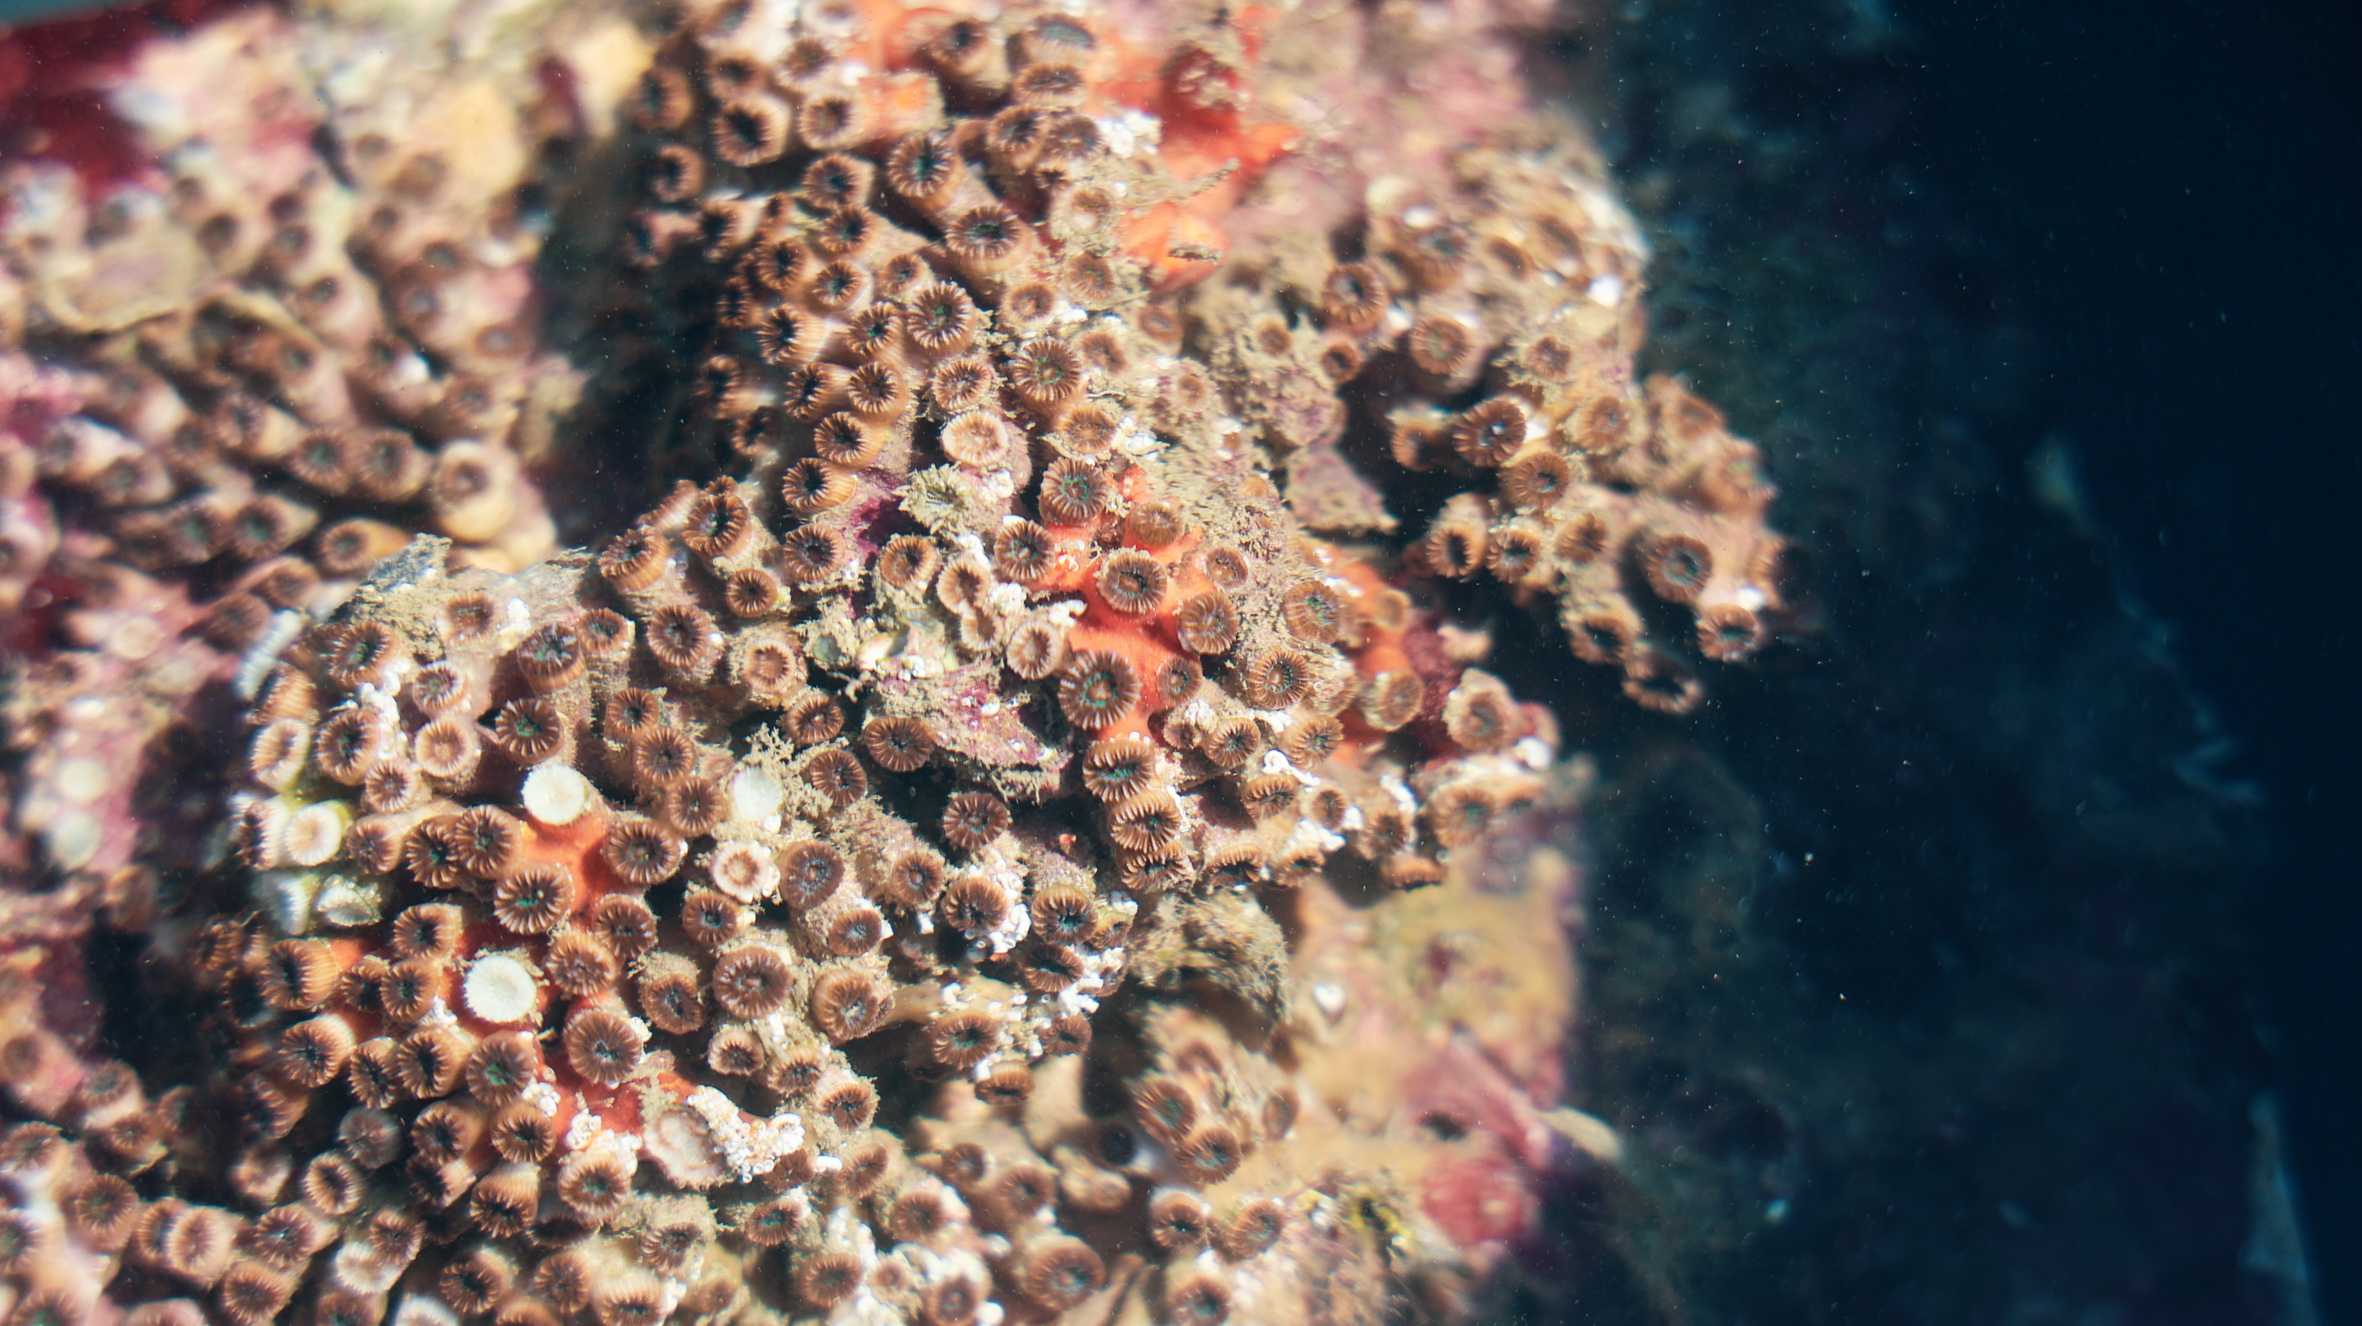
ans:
(501, 987)
(555, 795)
(316, 832)
(756, 794)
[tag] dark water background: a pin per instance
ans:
(1987, 935)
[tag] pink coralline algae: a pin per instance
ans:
(1021, 836)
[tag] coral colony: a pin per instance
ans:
(1027, 842)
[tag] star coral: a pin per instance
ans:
(730, 921)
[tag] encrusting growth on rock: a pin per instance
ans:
(949, 867)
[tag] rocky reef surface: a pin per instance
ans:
(814, 662)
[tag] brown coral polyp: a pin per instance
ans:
(366, 652)
(708, 918)
(693, 806)
(1677, 566)
(913, 879)
(642, 852)
(662, 755)
(1131, 582)
(1119, 768)
(1060, 1272)
(683, 638)
(286, 1237)
(977, 440)
(898, 744)
(752, 981)
(811, 554)
(251, 1293)
(486, 841)
(101, 1209)
(826, 1279)
(752, 129)
(1316, 612)
(1022, 551)
(1731, 633)
(535, 899)
(348, 744)
(529, 730)
(1036, 649)
(1354, 297)
(430, 1061)
(444, 1131)
(1209, 1154)
(754, 592)
(1537, 480)
(849, 1003)
(1196, 1298)
(1252, 1229)
(1166, 1109)
(313, 1053)
(1146, 822)
(634, 560)
(603, 1045)
(1515, 555)
(1089, 431)
(1442, 346)
(1490, 433)
(837, 776)
(578, 963)
(986, 239)
(1179, 1220)
(971, 820)
(1455, 548)
(502, 1067)
(448, 750)
(407, 989)
(1098, 689)
(878, 391)
(1074, 492)
(1045, 371)
(1207, 623)
(300, 974)
(522, 1134)
(841, 443)
(504, 1202)
(1230, 742)
(771, 1223)
(850, 1104)
(1279, 678)
(1063, 914)
(961, 1040)
(594, 1184)
(907, 562)
(813, 718)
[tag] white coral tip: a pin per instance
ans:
(500, 987)
(555, 794)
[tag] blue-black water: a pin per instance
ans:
(2024, 887)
